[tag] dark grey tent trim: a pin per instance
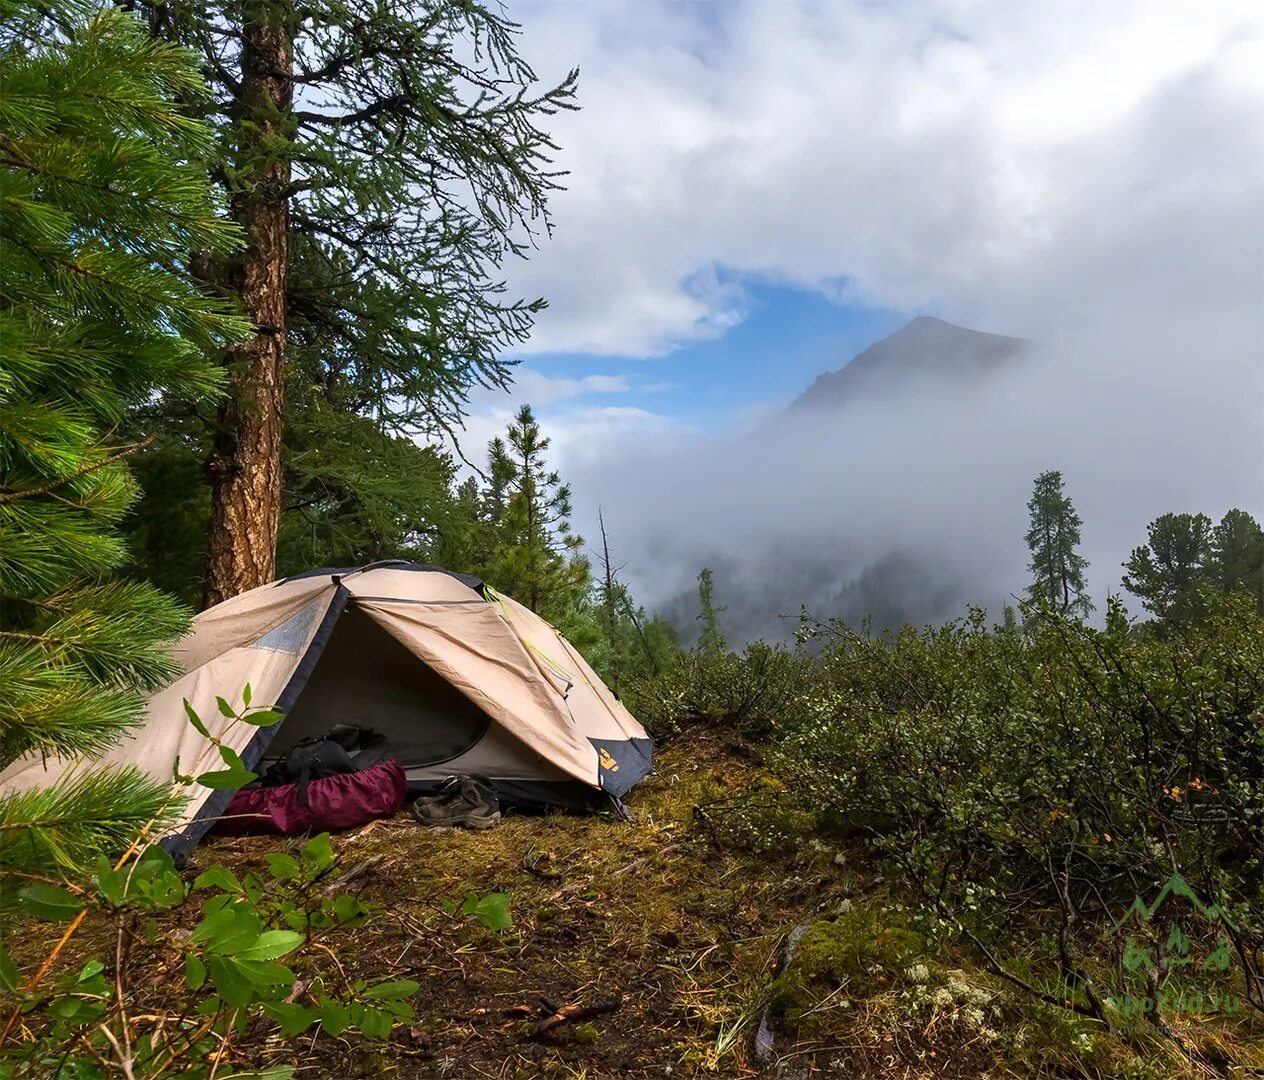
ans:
(180, 845)
(387, 564)
(631, 760)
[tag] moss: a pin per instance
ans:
(863, 952)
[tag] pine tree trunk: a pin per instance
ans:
(245, 466)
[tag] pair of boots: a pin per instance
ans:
(461, 800)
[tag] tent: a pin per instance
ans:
(457, 677)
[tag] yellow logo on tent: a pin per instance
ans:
(607, 760)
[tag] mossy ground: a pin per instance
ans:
(687, 931)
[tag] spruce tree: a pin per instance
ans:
(1237, 548)
(103, 195)
(1053, 539)
(385, 160)
(711, 642)
(1169, 573)
(537, 557)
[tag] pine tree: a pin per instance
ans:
(711, 642)
(1237, 548)
(1169, 573)
(1053, 540)
(1009, 619)
(537, 557)
(103, 195)
(391, 156)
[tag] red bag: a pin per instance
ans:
(336, 802)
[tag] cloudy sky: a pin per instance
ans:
(759, 189)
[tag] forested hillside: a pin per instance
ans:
(251, 271)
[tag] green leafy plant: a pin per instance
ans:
(254, 954)
(492, 910)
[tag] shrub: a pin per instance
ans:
(746, 693)
(1062, 769)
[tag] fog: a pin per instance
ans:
(913, 506)
(1143, 384)
(1088, 177)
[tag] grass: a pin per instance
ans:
(685, 929)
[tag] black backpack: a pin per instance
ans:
(344, 748)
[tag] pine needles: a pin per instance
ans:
(103, 200)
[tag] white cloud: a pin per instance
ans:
(542, 390)
(910, 154)
(576, 428)
(1089, 175)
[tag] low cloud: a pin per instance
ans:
(1087, 176)
(933, 153)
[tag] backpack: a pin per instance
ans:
(344, 748)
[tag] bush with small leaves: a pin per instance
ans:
(745, 693)
(1030, 786)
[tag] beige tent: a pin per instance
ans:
(457, 677)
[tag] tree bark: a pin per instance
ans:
(245, 464)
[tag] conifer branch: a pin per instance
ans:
(83, 470)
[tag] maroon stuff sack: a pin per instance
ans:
(335, 802)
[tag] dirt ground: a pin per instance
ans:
(662, 935)
(657, 940)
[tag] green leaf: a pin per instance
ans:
(392, 991)
(283, 867)
(195, 720)
(264, 717)
(231, 982)
(109, 881)
(154, 861)
(51, 903)
(376, 1024)
(9, 977)
(226, 709)
(194, 972)
(245, 695)
(271, 944)
(334, 1017)
(228, 930)
(293, 1019)
(217, 877)
(91, 968)
(264, 972)
(231, 759)
(347, 908)
(491, 910)
(319, 852)
(225, 779)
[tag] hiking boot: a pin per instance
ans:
(467, 802)
(443, 792)
(451, 786)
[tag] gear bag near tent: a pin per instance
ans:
(458, 678)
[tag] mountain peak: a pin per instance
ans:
(924, 347)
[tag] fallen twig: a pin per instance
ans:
(358, 871)
(576, 1012)
(636, 864)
